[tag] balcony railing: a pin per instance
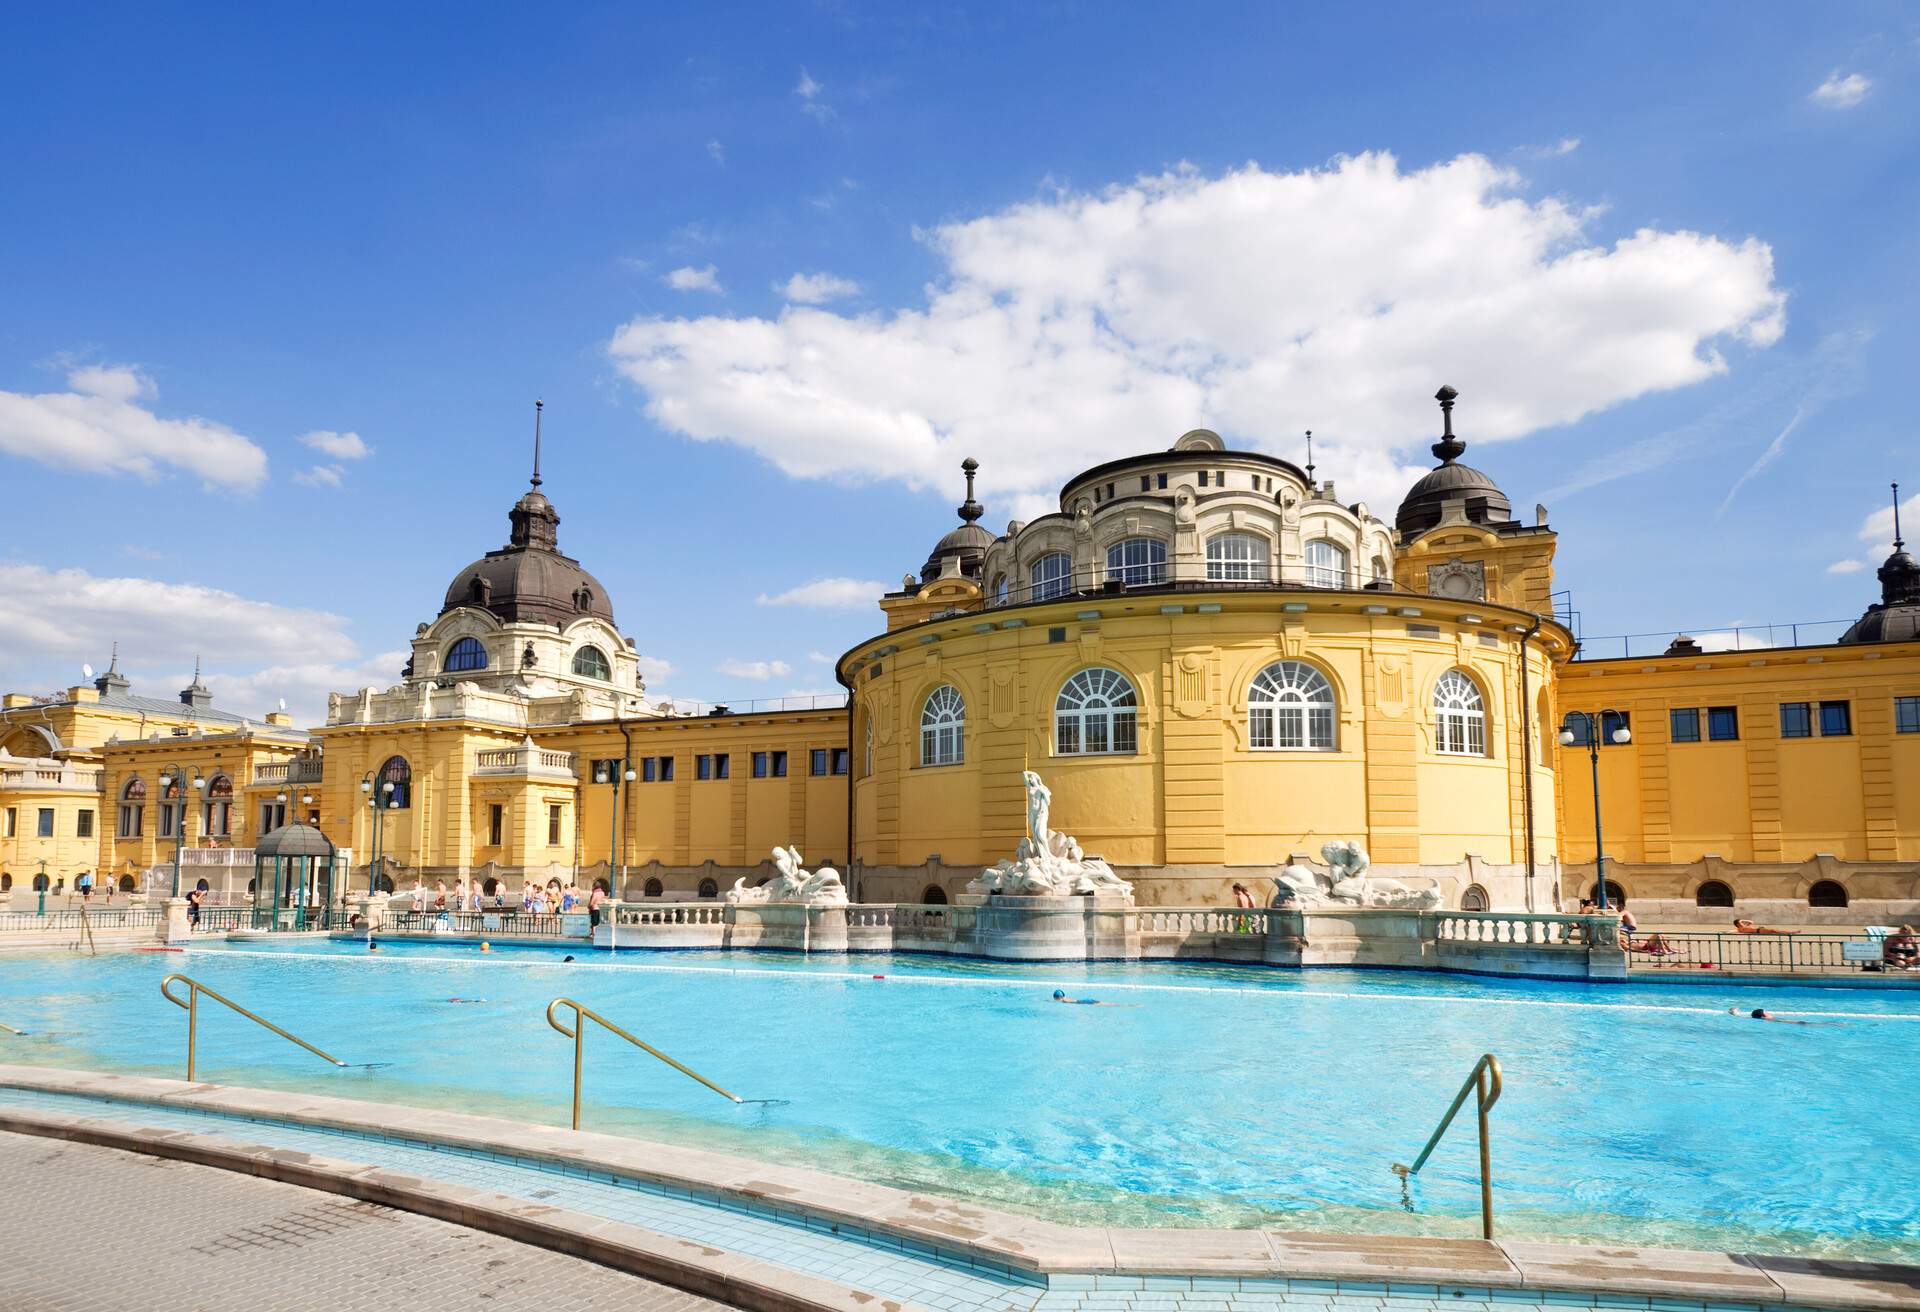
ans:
(1220, 576)
(525, 760)
(1713, 638)
(50, 778)
(300, 770)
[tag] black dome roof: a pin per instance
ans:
(294, 840)
(528, 579)
(968, 543)
(1896, 616)
(1480, 499)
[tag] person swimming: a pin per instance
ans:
(565, 959)
(466, 999)
(372, 946)
(1060, 995)
(1761, 1013)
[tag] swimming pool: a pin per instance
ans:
(1222, 1096)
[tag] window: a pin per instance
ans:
(13, 822)
(1000, 590)
(649, 770)
(1827, 893)
(1611, 722)
(1146, 482)
(1713, 893)
(1685, 725)
(840, 758)
(779, 765)
(866, 757)
(1379, 569)
(703, 766)
(496, 824)
(591, 663)
(1138, 562)
(722, 764)
(933, 896)
(1095, 715)
(216, 813)
(553, 825)
(1160, 481)
(759, 765)
(1836, 719)
(817, 762)
(1203, 478)
(1236, 558)
(1460, 716)
(397, 773)
(45, 829)
(132, 808)
(666, 769)
(1474, 899)
(1290, 708)
(709, 889)
(1052, 576)
(272, 816)
(170, 815)
(1326, 564)
(1723, 724)
(943, 722)
(1906, 714)
(655, 888)
(1616, 895)
(83, 825)
(1796, 720)
(466, 654)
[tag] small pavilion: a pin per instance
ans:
(293, 870)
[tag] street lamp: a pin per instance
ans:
(169, 776)
(611, 773)
(286, 805)
(379, 815)
(1621, 736)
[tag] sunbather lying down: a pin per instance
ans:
(1744, 926)
(1655, 946)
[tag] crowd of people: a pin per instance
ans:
(554, 897)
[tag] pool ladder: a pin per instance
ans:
(1483, 1080)
(191, 1005)
(583, 1014)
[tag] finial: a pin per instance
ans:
(538, 405)
(1449, 448)
(113, 662)
(196, 669)
(1897, 543)
(970, 509)
(1309, 457)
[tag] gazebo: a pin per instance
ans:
(293, 878)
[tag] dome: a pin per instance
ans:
(968, 543)
(1451, 484)
(294, 840)
(1896, 616)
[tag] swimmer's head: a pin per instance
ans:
(1059, 994)
(1759, 1013)
(567, 958)
(485, 946)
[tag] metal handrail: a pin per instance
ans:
(579, 1036)
(1485, 1077)
(191, 1006)
(11, 1030)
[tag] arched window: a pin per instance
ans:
(383, 883)
(466, 654)
(655, 888)
(397, 773)
(40, 884)
(1380, 571)
(1052, 576)
(126, 884)
(591, 663)
(6, 883)
(1459, 716)
(943, 723)
(1290, 708)
(933, 896)
(1827, 893)
(1326, 564)
(1095, 715)
(216, 813)
(1713, 893)
(133, 809)
(1237, 558)
(709, 889)
(1138, 562)
(1616, 895)
(1000, 589)
(1474, 899)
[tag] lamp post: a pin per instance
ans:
(379, 815)
(40, 884)
(286, 805)
(614, 774)
(171, 774)
(1622, 736)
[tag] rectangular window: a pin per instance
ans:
(1146, 482)
(1109, 491)
(703, 766)
(1610, 723)
(130, 816)
(553, 825)
(46, 822)
(841, 757)
(1203, 478)
(817, 761)
(1906, 714)
(83, 825)
(169, 816)
(722, 764)
(1161, 481)
(1796, 720)
(648, 770)
(759, 765)
(496, 823)
(779, 765)
(666, 769)
(1723, 723)
(1836, 719)
(1057, 634)
(1685, 725)
(13, 822)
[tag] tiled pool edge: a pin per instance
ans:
(1069, 1257)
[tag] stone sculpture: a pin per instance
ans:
(1048, 863)
(793, 883)
(1346, 884)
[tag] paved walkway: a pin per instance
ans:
(107, 1231)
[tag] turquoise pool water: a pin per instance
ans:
(1203, 1096)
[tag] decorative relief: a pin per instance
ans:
(1459, 579)
(1190, 685)
(1390, 691)
(1002, 703)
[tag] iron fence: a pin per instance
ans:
(506, 922)
(1762, 953)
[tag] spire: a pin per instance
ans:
(113, 680)
(538, 406)
(1897, 543)
(534, 520)
(1309, 458)
(196, 694)
(970, 509)
(1449, 448)
(1900, 574)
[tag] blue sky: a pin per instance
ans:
(1644, 242)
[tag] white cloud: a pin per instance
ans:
(102, 425)
(304, 685)
(819, 658)
(1736, 639)
(809, 92)
(830, 594)
(320, 476)
(818, 693)
(1257, 303)
(1877, 528)
(689, 279)
(654, 670)
(341, 446)
(1841, 91)
(1564, 146)
(634, 264)
(815, 288)
(1845, 567)
(754, 669)
(717, 152)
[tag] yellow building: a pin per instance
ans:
(1215, 663)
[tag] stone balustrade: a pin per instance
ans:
(300, 770)
(1525, 927)
(528, 761)
(45, 777)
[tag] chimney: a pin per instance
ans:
(279, 719)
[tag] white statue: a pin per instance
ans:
(1048, 863)
(1346, 883)
(793, 883)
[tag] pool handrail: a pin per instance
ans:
(582, 1014)
(11, 1030)
(191, 1006)
(1484, 1077)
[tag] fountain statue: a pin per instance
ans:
(1048, 863)
(793, 883)
(1346, 884)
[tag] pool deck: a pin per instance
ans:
(1042, 1265)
